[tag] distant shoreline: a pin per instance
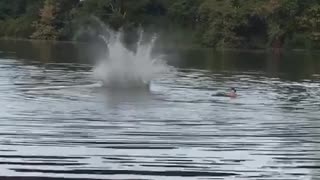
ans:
(190, 46)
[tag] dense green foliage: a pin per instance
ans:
(211, 23)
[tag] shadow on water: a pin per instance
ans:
(292, 65)
(51, 51)
(126, 96)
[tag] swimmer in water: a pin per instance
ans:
(233, 93)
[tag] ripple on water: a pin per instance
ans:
(56, 123)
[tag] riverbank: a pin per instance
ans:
(167, 46)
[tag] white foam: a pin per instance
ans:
(124, 68)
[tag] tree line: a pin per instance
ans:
(210, 23)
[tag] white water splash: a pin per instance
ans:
(123, 68)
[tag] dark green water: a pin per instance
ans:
(57, 123)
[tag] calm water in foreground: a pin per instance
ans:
(56, 122)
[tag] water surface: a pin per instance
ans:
(56, 121)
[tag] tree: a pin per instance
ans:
(310, 22)
(224, 23)
(53, 17)
(46, 27)
(212, 23)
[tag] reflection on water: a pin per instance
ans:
(56, 121)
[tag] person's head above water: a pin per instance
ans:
(233, 93)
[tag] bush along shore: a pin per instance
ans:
(251, 24)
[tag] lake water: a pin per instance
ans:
(57, 123)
